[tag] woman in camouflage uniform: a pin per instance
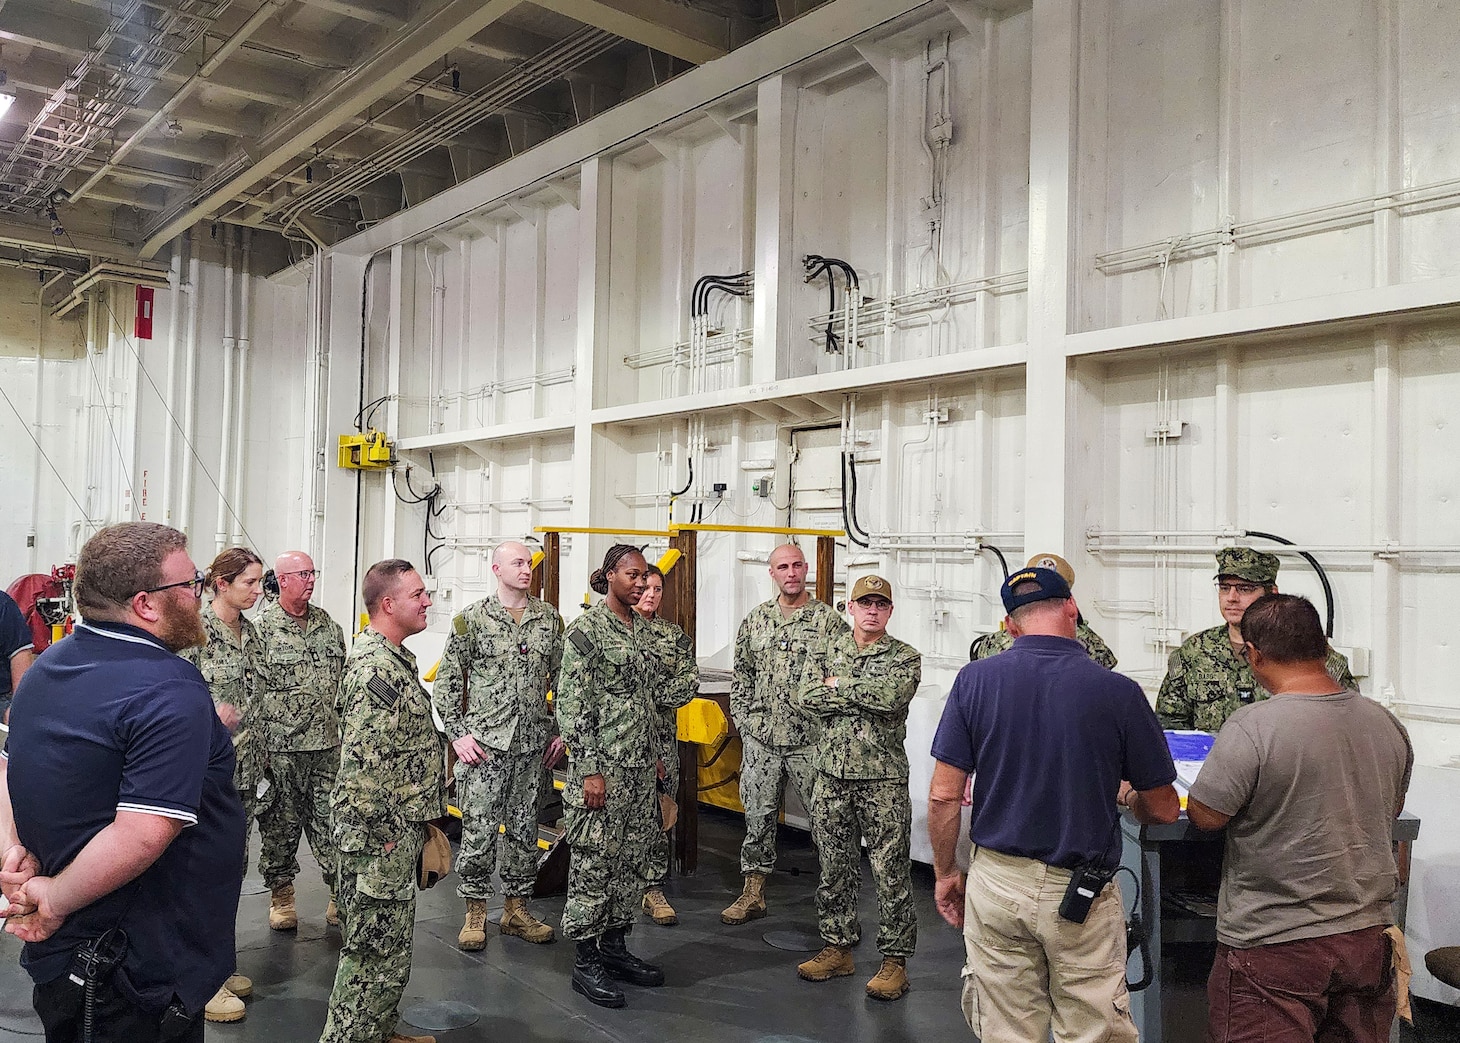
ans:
(609, 702)
(676, 661)
(229, 665)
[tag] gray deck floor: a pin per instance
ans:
(725, 984)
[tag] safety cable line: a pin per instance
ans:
(44, 455)
(142, 368)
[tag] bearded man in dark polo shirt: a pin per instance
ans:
(127, 860)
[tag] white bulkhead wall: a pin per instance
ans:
(1135, 281)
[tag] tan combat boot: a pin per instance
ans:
(834, 961)
(332, 913)
(239, 985)
(659, 909)
(751, 903)
(890, 981)
(224, 1006)
(401, 1037)
(516, 920)
(473, 936)
(282, 916)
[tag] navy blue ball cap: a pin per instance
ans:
(1050, 585)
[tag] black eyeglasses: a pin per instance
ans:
(197, 583)
(1239, 588)
(310, 573)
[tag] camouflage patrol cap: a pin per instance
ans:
(871, 586)
(1247, 563)
(1055, 562)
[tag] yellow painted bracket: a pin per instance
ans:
(702, 721)
(366, 451)
(430, 675)
(668, 560)
(537, 557)
(768, 530)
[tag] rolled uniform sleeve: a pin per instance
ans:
(449, 689)
(578, 711)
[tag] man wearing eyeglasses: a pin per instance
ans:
(127, 830)
(303, 659)
(1206, 678)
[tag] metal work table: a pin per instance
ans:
(1141, 850)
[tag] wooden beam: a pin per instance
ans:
(552, 567)
(825, 568)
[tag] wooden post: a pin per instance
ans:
(551, 569)
(825, 568)
(679, 607)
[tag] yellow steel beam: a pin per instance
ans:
(769, 530)
(595, 531)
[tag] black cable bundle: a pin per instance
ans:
(817, 266)
(739, 285)
(434, 509)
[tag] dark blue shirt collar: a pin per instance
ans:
(122, 632)
(1048, 643)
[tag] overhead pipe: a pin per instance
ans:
(207, 69)
(226, 451)
(245, 325)
(174, 320)
(190, 372)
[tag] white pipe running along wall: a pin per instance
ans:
(225, 455)
(245, 326)
(190, 401)
(35, 431)
(174, 320)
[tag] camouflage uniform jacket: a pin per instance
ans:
(991, 645)
(678, 672)
(865, 715)
(504, 670)
(1206, 681)
(301, 679)
(231, 671)
(392, 759)
(611, 693)
(770, 657)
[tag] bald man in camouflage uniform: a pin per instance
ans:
(860, 684)
(391, 782)
(777, 737)
(303, 658)
(990, 645)
(501, 660)
(1206, 678)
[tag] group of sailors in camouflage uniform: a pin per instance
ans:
(344, 751)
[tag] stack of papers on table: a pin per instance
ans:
(1188, 749)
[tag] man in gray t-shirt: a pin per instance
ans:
(1308, 784)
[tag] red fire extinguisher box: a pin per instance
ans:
(146, 297)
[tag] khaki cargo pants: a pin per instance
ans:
(1031, 973)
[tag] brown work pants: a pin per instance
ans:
(1315, 990)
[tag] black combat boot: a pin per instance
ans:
(624, 965)
(590, 978)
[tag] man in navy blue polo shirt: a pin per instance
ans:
(1049, 735)
(121, 784)
(17, 650)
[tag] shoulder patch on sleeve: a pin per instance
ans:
(684, 642)
(383, 691)
(458, 625)
(581, 642)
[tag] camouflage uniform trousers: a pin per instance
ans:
(375, 957)
(297, 800)
(879, 810)
(657, 870)
(610, 846)
(763, 774)
(505, 790)
(247, 772)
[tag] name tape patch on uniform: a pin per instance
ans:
(383, 690)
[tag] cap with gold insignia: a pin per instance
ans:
(1037, 585)
(1055, 562)
(871, 586)
(1247, 563)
